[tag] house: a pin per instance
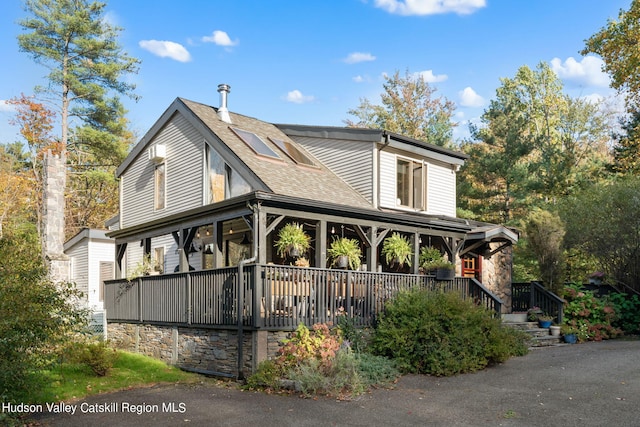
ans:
(197, 173)
(91, 254)
(92, 259)
(207, 189)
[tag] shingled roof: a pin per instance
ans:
(280, 176)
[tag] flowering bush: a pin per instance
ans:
(319, 360)
(320, 343)
(592, 317)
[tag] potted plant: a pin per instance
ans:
(292, 241)
(445, 270)
(533, 314)
(397, 250)
(569, 333)
(545, 320)
(345, 253)
(433, 261)
(429, 258)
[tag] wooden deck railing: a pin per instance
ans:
(275, 297)
(525, 296)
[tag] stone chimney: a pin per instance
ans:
(223, 111)
(53, 217)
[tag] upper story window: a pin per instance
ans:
(255, 143)
(223, 182)
(160, 183)
(411, 184)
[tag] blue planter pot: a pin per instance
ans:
(544, 323)
(570, 338)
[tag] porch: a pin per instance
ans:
(271, 297)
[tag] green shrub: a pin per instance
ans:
(267, 376)
(356, 337)
(627, 312)
(440, 334)
(36, 316)
(592, 317)
(99, 357)
(318, 361)
(376, 370)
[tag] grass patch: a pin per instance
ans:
(75, 380)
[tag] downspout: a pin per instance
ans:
(240, 302)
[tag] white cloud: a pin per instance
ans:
(429, 77)
(430, 7)
(6, 108)
(166, 49)
(469, 98)
(361, 79)
(588, 71)
(297, 97)
(355, 57)
(220, 38)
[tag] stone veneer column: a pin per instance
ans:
(53, 217)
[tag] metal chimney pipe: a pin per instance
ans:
(223, 111)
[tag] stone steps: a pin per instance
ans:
(539, 337)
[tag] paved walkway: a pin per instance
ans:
(594, 384)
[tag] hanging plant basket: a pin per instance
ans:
(342, 261)
(294, 252)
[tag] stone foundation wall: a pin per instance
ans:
(213, 351)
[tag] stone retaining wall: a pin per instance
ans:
(213, 351)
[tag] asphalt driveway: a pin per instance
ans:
(593, 384)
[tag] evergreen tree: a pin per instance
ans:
(87, 65)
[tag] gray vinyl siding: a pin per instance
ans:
(387, 180)
(441, 189)
(184, 178)
(79, 255)
(99, 252)
(352, 161)
(171, 256)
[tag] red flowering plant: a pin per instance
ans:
(320, 343)
(589, 315)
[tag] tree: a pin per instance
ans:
(626, 151)
(544, 233)
(408, 108)
(36, 123)
(603, 221)
(35, 314)
(535, 144)
(73, 40)
(617, 44)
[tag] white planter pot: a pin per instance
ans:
(554, 331)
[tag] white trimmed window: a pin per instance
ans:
(411, 184)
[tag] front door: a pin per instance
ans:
(472, 267)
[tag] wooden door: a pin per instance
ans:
(472, 267)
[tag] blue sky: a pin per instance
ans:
(309, 62)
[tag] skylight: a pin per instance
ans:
(255, 143)
(293, 152)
